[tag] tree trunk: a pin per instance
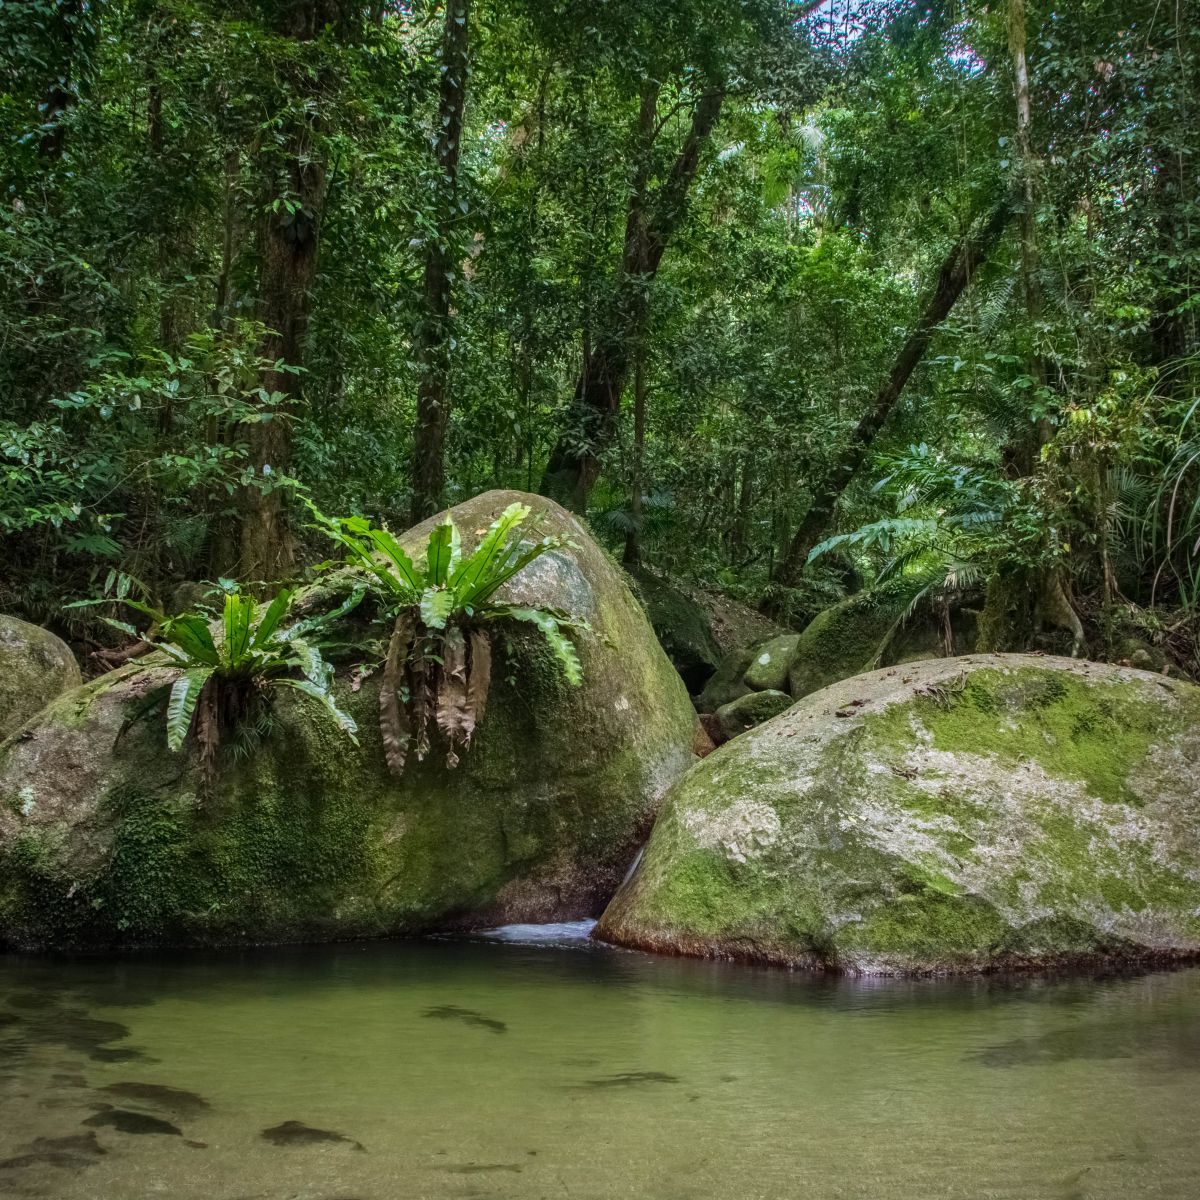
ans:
(72, 28)
(288, 235)
(650, 225)
(633, 538)
(954, 275)
(433, 333)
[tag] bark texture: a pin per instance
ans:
(433, 334)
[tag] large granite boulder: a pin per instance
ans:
(104, 838)
(968, 814)
(35, 666)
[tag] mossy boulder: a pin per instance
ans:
(751, 710)
(35, 666)
(728, 682)
(847, 638)
(878, 627)
(698, 628)
(956, 815)
(771, 663)
(104, 839)
(682, 626)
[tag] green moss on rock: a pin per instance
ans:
(105, 841)
(848, 638)
(751, 710)
(771, 662)
(964, 814)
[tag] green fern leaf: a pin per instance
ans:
(436, 606)
(185, 692)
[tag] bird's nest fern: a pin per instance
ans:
(438, 666)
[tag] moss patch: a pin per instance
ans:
(1074, 729)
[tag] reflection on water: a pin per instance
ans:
(535, 1064)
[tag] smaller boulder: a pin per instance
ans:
(35, 667)
(750, 710)
(728, 682)
(768, 670)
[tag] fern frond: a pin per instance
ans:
(181, 706)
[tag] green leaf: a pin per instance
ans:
(192, 635)
(559, 643)
(312, 666)
(320, 620)
(490, 555)
(185, 692)
(271, 618)
(436, 607)
(405, 571)
(239, 610)
(442, 553)
(321, 694)
(488, 587)
(123, 626)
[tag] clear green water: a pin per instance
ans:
(468, 1069)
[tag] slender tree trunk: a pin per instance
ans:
(739, 538)
(633, 539)
(651, 223)
(229, 233)
(288, 236)
(433, 333)
(1030, 258)
(70, 16)
(954, 275)
(1027, 167)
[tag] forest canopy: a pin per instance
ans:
(787, 299)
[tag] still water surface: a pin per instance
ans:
(537, 1066)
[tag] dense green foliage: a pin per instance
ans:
(923, 272)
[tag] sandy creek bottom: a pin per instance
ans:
(536, 1065)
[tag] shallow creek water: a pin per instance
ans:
(537, 1065)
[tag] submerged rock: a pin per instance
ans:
(173, 1100)
(73, 1153)
(126, 1120)
(35, 667)
(296, 1133)
(104, 839)
(967, 814)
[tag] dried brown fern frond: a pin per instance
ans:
(394, 724)
(479, 679)
(423, 676)
(452, 692)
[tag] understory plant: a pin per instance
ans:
(226, 678)
(438, 666)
